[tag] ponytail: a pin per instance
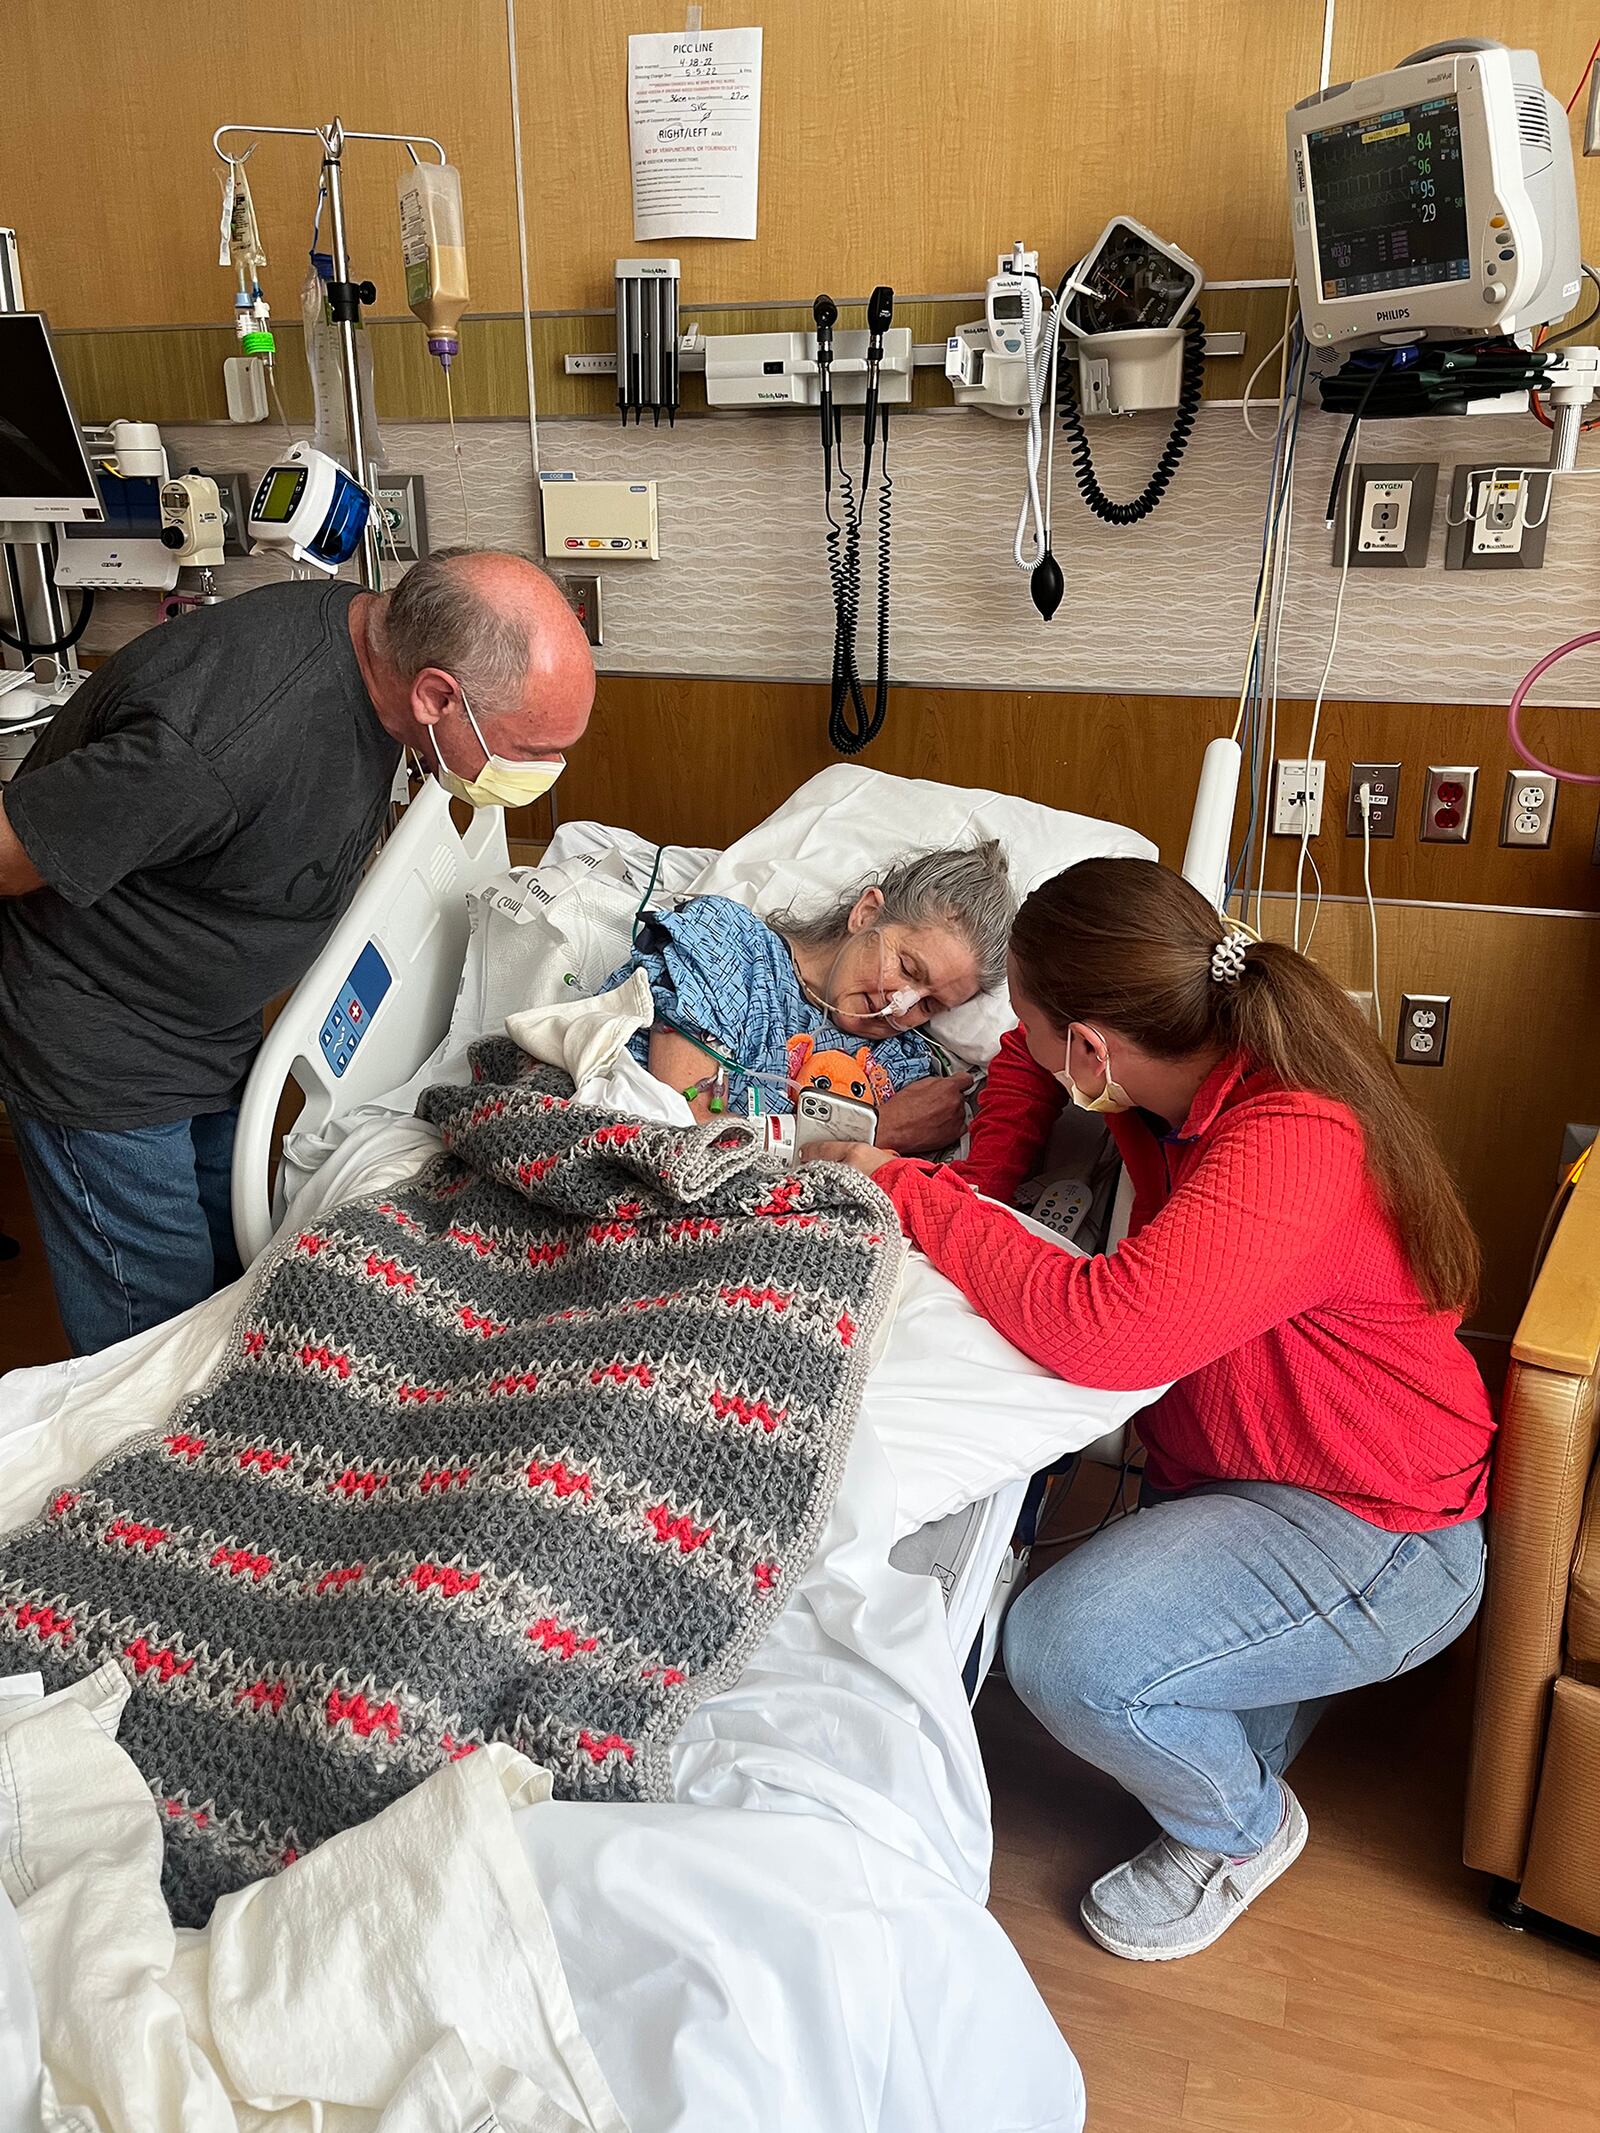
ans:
(1130, 946)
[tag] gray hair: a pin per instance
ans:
(436, 617)
(967, 889)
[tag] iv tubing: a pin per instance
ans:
(1519, 697)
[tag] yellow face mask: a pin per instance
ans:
(501, 782)
(1112, 1098)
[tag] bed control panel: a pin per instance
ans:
(350, 1016)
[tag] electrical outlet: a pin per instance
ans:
(1297, 792)
(1528, 813)
(1424, 1019)
(1382, 781)
(1447, 799)
(583, 597)
(1394, 516)
(1496, 519)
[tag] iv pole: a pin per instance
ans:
(345, 297)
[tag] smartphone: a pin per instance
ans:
(821, 1116)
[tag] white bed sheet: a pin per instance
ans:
(804, 1921)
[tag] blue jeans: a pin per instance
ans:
(136, 1226)
(1187, 1650)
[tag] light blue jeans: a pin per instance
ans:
(1188, 1649)
(136, 1226)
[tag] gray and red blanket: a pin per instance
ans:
(530, 1449)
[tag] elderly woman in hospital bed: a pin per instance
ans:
(747, 1012)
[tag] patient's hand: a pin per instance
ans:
(925, 1116)
(856, 1153)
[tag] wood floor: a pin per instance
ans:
(1367, 1992)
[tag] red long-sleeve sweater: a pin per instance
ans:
(1261, 1273)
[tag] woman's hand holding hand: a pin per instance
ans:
(856, 1153)
(925, 1116)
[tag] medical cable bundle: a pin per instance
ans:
(852, 723)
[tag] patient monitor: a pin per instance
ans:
(1434, 202)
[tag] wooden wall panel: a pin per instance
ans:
(109, 179)
(909, 140)
(1519, 1066)
(696, 762)
(174, 374)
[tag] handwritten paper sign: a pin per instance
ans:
(694, 126)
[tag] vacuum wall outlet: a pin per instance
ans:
(1424, 1019)
(1382, 781)
(1447, 799)
(1496, 519)
(1394, 516)
(583, 597)
(1297, 791)
(1528, 813)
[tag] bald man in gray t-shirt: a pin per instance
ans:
(173, 854)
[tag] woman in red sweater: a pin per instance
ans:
(1297, 1264)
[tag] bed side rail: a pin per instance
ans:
(377, 1000)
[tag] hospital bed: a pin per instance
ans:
(798, 1937)
(377, 1007)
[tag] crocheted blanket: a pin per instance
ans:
(530, 1449)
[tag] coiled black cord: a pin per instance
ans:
(1189, 391)
(844, 561)
(30, 650)
(852, 723)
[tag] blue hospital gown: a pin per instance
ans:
(718, 972)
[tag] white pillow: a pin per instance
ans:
(960, 1412)
(848, 823)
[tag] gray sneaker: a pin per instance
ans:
(1173, 1900)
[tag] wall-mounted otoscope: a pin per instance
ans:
(852, 723)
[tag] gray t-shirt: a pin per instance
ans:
(201, 812)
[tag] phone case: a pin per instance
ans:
(820, 1116)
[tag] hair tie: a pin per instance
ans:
(1227, 958)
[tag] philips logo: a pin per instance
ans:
(1399, 311)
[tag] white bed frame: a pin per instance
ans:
(412, 911)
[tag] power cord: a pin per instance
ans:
(1192, 381)
(29, 650)
(1372, 909)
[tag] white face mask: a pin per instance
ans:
(500, 783)
(1113, 1097)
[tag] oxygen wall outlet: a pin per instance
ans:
(1297, 792)
(1528, 812)
(1382, 781)
(1424, 1019)
(400, 517)
(1394, 516)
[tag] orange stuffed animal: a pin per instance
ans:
(855, 1074)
